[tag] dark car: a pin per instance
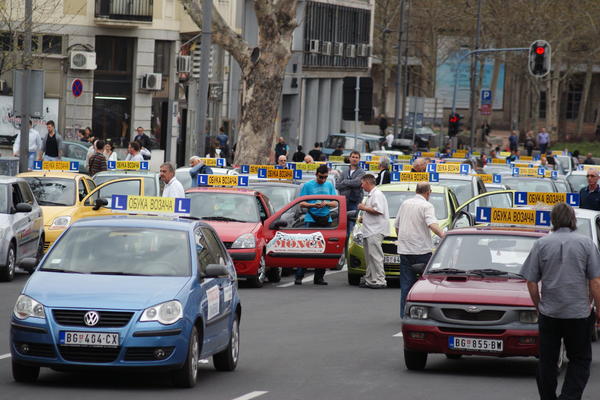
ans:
(424, 138)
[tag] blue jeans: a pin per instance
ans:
(49, 158)
(408, 276)
(319, 272)
(30, 159)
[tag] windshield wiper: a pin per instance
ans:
(494, 272)
(226, 219)
(68, 271)
(116, 273)
(446, 271)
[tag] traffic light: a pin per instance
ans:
(539, 58)
(454, 124)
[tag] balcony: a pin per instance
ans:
(123, 12)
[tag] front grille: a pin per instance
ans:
(462, 315)
(46, 246)
(389, 248)
(391, 268)
(146, 353)
(35, 349)
(89, 354)
(108, 319)
(227, 244)
(473, 331)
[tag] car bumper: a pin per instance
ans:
(358, 266)
(246, 261)
(431, 338)
(50, 236)
(142, 345)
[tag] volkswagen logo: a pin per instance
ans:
(91, 318)
(473, 309)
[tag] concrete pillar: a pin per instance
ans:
(335, 108)
(141, 100)
(324, 109)
(311, 113)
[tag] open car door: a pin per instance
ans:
(291, 242)
(465, 214)
(97, 202)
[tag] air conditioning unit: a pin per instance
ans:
(338, 49)
(326, 48)
(83, 60)
(184, 64)
(152, 81)
(351, 50)
(314, 46)
(364, 50)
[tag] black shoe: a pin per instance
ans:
(298, 282)
(321, 282)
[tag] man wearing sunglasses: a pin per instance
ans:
(589, 196)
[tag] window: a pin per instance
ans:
(203, 253)
(215, 247)
(320, 218)
(6, 41)
(26, 193)
(130, 188)
(162, 53)
(573, 101)
(114, 54)
(52, 44)
(16, 195)
(82, 190)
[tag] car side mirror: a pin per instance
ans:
(216, 271)
(23, 208)
(418, 268)
(100, 203)
(28, 263)
(278, 224)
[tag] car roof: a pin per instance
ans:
(139, 221)
(410, 187)
(585, 213)
(507, 230)
(126, 172)
(248, 192)
(52, 174)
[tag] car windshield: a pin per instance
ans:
(121, 251)
(529, 185)
(577, 182)
(279, 196)
(584, 227)
(224, 207)
(395, 199)
(496, 169)
(3, 199)
(149, 182)
(53, 191)
(464, 253)
(461, 188)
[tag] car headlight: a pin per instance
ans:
(418, 312)
(357, 237)
(245, 241)
(166, 313)
(528, 317)
(27, 307)
(60, 222)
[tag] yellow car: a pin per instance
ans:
(66, 197)
(447, 211)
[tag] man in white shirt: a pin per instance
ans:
(375, 225)
(415, 219)
(173, 188)
(133, 152)
(389, 139)
(35, 144)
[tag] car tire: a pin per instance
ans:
(187, 376)
(274, 275)
(24, 373)
(415, 360)
(7, 272)
(258, 280)
(227, 359)
(353, 279)
(453, 356)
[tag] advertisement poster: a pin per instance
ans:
(10, 125)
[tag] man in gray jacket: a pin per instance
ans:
(349, 185)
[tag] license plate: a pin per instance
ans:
(391, 259)
(474, 344)
(89, 339)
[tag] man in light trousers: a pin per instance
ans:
(375, 225)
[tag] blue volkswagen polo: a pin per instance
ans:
(127, 292)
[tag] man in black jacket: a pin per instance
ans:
(384, 171)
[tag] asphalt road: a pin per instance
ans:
(302, 342)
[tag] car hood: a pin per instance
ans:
(51, 212)
(55, 289)
(229, 231)
(472, 290)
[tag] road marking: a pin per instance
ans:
(251, 395)
(399, 334)
(310, 277)
(3, 356)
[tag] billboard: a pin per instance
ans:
(10, 124)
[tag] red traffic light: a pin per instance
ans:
(540, 50)
(453, 118)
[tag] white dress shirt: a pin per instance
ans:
(35, 142)
(137, 157)
(174, 189)
(412, 225)
(376, 224)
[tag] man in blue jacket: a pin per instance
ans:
(198, 167)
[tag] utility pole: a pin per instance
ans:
(205, 46)
(356, 108)
(25, 92)
(399, 68)
(473, 93)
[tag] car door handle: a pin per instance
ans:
(333, 239)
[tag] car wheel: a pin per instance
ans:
(24, 373)
(258, 280)
(274, 275)
(415, 360)
(353, 279)
(186, 377)
(7, 273)
(228, 358)
(453, 356)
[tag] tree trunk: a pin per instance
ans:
(494, 85)
(584, 100)
(553, 103)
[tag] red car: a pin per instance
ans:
(261, 241)
(471, 298)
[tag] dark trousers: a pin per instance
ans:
(350, 207)
(543, 148)
(319, 272)
(408, 276)
(576, 335)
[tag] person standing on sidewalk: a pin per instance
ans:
(567, 265)
(543, 139)
(375, 225)
(414, 223)
(349, 185)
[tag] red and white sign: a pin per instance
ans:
(485, 109)
(297, 243)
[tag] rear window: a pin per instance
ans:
(395, 200)
(529, 185)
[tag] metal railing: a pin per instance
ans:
(132, 10)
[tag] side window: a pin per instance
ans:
(261, 209)
(131, 188)
(215, 246)
(202, 251)
(76, 152)
(82, 189)
(26, 193)
(16, 195)
(91, 184)
(298, 217)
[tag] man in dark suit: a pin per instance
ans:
(384, 171)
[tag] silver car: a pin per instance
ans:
(21, 224)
